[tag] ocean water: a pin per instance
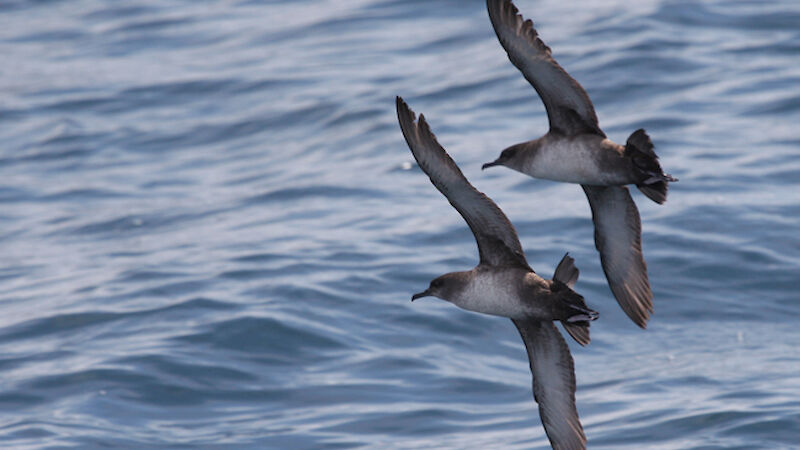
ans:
(211, 227)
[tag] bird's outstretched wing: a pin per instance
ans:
(553, 383)
(498, 244)
(569, 108)
(618, 238)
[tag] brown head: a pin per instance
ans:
(513, 157)
(445, 287)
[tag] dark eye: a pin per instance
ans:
(436, 283)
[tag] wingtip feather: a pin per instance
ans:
(618, 239)
(635, 298)
(403, 110)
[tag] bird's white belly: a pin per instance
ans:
(492, 294)
(571, 161)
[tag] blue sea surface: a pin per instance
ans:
(211, 226)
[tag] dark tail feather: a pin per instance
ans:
(656, 192)
(583, 315)
(566, 272)
(655, 182)
(579, 331)
(578, 318)
(578, 325)
(579, 315)
(639, 142)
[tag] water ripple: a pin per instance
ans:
(212, 226)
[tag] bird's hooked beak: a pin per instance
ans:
(424, 293)
(496, 162)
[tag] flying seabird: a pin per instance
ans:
(575, 150)
(503, 284)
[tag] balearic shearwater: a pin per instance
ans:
(503, 284)
(575, 150)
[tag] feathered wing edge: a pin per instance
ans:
(498, 243)
(569, 109)
(553, 372)
(618, 238)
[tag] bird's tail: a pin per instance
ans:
(578, 314)
(566, 272)
(577, 325)
(654, 182)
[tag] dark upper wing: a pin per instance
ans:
(553, 383)
(568, 106)
(618, 237)
(498, 243)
